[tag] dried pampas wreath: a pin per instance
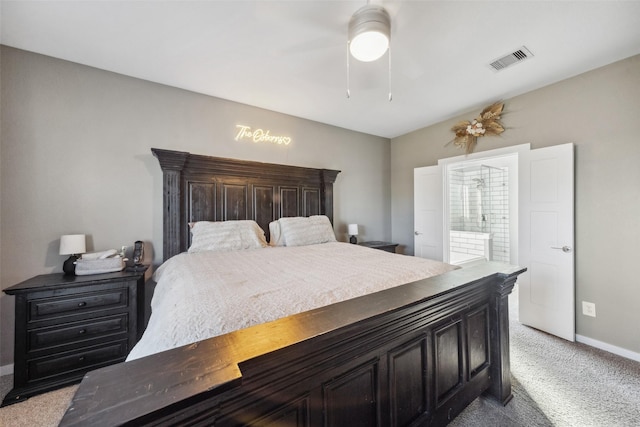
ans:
(487, 123)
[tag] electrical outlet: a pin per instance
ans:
(588, 309)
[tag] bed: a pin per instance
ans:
(413, 352)
(196, 299)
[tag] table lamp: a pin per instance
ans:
(72, 245)
(353, 232)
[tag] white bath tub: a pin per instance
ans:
(461, 259)
(469, 246)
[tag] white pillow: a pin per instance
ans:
(276, 238)
(225, 236)
(301, 231)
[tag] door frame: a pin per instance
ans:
(524, 156)
(473, 158)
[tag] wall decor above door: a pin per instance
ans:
(486, 124)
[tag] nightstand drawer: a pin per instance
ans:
(68, 325)
(79, 360)
(44, 338)
(75, 304)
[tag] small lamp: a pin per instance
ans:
(72, 245)
(353, 232)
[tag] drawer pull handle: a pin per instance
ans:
(82, 331)
(82, 304)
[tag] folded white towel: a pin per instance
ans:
(97, 266)
(99, 255)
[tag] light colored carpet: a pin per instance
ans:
(44, 410)
(559, 383)
(555, 383)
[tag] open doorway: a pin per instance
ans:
(448, 209)
(540, 217)
(482, 218)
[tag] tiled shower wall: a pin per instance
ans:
(483, 208)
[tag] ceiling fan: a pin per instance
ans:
(369, 33)
(369, 36)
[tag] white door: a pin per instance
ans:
(428, 212)
(546, 290)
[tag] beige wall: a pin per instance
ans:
(75, 152)
(74, 157)
(598, 111)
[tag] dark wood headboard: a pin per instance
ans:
(204, 188)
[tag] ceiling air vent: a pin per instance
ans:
(510, 59)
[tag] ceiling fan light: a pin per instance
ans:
(369, 33)
(369, 46)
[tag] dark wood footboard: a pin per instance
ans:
(417, 354)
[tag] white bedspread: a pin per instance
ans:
(201, 295)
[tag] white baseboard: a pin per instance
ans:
(609, 347)
(6, 369)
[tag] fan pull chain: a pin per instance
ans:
(348, 73)
(390, 95)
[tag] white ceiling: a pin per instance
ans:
(290, 56)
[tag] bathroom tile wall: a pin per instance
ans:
(480, 203)
(499, 211)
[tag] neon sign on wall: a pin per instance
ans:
(260, 135)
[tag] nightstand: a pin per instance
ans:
(384, 246)
(66, 326)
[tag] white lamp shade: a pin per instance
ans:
(71, 244)
(353, 229)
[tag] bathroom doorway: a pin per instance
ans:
(482, 211)
(466, 207)
(540, 192)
